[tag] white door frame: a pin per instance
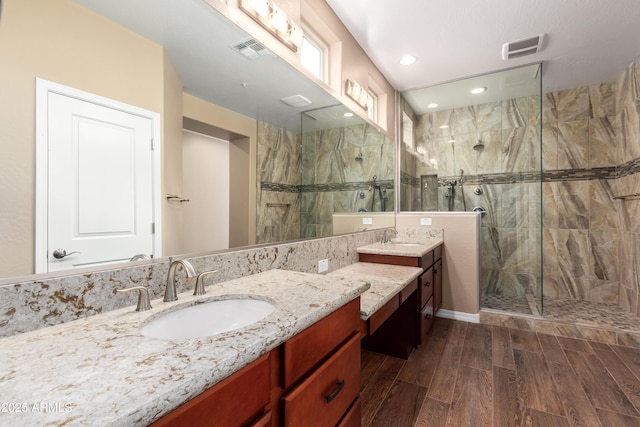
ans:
(43, 88)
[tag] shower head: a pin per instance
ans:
(479, 145)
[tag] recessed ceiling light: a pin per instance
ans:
(432, 105)
(444, 126)
(408, 60)
(348, 114)
(478, 90)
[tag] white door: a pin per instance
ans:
(100, 183)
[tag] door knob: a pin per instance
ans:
(61, 253)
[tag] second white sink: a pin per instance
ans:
(206, 319)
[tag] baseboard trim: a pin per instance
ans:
(459, 315)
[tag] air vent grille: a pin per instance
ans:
(250, 48)
(524, 47)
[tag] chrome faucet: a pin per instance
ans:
(386, 238)
(170, 293)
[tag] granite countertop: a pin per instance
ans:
(404, 247)
(386, 281)
(99, 370)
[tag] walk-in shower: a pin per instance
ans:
(491, 166)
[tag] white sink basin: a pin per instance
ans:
(406, 244)
(206, 319)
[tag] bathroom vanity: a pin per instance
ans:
(100, 370)
(416, 316)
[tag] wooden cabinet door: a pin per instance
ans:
(235, 401)
(437, 280)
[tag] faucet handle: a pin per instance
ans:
(144, 303)
(199, 289)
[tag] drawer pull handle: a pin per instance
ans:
(335, 392)
(427, 316)
(427, 284)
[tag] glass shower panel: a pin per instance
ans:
(347, 167)
(482, 152)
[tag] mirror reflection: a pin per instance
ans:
(183, 63)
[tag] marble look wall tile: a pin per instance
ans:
(573, 204)
(554, 287)
(630, 131)
(550, 147)
(442, 118)
(515, 113)
(279, 166)
(550, 108)
(515, 156)
(573, 144)
(603, 150)
(603, 100)
(625, 86)
(485, 159)
(550, 255)
(550, 195)
(629, 339)
(534, 148)
(629, 264)
(465, 122)
(573, 104)
(488, 117)
(573, 251)
(534, 104)
(604, 291)
(604, 254)
(602, 215)
(514, 206)
(278, 223)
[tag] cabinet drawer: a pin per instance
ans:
(408, 290)
(426, 286)
(234, 401)
(323, 398)
(353, 418)
(426, 320)
(427, 260)
(437, 253)
(311, 346)
(383, 313)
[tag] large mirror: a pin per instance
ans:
(183, 60)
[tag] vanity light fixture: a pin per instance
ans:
(478, 90)
(408, 60)
(432, 105)
(358, 93)
(274, 20)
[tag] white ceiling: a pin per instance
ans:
(586, 41)
(198, 40)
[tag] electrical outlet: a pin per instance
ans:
(425, 221)
(323, 265)
(367, 221)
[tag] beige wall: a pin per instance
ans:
(241, 131)
(67, 44)
(461, 260)
(348, 223)
(172, 212)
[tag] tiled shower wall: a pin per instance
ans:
(506, 173)
(338, 170)
(278, 192)
(590, 155)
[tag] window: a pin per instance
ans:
(407, 131)
(314, 54)
(372, 106)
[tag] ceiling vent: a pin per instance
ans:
(523, 47)
(296, 101)
(250, 48)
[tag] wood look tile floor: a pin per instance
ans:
(482, 375)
